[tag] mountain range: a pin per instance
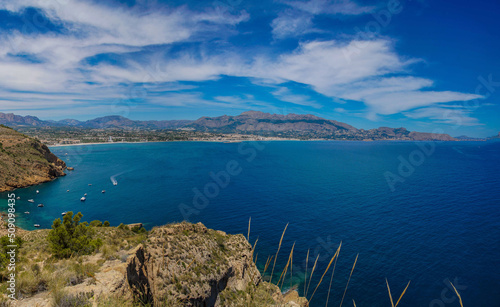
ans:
(302, 126)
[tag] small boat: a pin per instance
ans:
(64, 213)
(85, 194)
(83, 199)
(31, 201)
(40, 205)
(37, 225)
(37, 192)
(115, 183)
(103, 191)
(26, 212)
(18, 198)
(67, 190)
(90, 184)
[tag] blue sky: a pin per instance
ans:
(425, 65)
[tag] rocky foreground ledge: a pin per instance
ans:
(174, 265)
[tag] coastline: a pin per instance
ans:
(249, 140)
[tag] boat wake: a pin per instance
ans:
(113, 178)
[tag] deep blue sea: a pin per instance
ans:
(425, 212)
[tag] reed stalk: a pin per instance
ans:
(347, 285)
(276, 256)
(458, 294)
(327, 268)
(310, 278)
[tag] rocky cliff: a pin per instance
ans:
(24, 161)
(174, 265)
(190, 265)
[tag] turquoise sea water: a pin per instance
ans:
(440, 220)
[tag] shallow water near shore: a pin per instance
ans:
(440, 221)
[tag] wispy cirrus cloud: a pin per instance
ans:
(457, 116)
(297, 20)
(344, 7)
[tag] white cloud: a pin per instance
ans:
(284, 94)
(453, 116)
(92, 29)
(291, 23)
(369, 71)
(344, 7)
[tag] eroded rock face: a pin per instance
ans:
(189, 265)
(25, 161)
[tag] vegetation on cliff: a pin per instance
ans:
(173, 265)
(25, 161)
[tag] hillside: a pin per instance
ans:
(296, 126)
(305, 127)
(106, 122)
(25, 161)
(173, 265)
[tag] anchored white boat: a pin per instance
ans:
(64, 213)
(31, 201)
(26, 212)
(83, 199)
(37, 225)
(40, 205)
(37, 192)
(103, 191)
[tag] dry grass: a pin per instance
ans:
(283, 273)
(327, 268)
(277, 252)
(312, 273)
(331, 280)
(347, 285)
(458, 294)
(400, 297)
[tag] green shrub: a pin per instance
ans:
(123, 227)
(70, 237)
(138, 229)
(105, 224)
(96, 223)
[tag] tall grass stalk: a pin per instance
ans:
(248, 235)
(310, 278)
(389, 290)
(276, 256)
(331, 280)
(268, 262)
(347, 285)
(327, 268)
(403, 293)
(458, 294)
(305, 274)
(400, 297)
(283, 273)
